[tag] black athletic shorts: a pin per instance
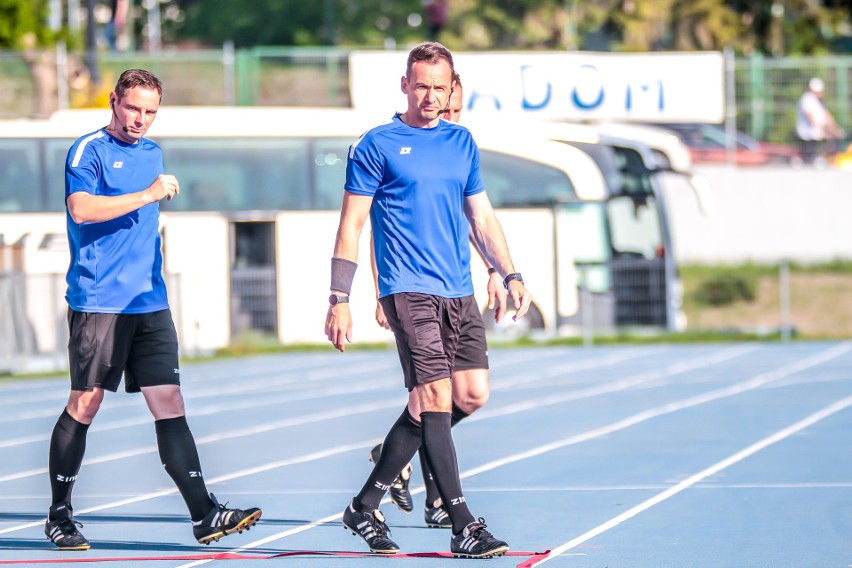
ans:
(101, 347)
(427, 330)
(472, 352)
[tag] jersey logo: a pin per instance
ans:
(118, 164)
(405, 150)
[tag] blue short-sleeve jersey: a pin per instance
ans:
(418, 178)
(116, 266)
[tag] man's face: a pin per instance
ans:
(427, 87)
(456, 104)
(134, 113)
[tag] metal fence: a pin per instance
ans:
(33, 315)
(765, 90)
(34, 334)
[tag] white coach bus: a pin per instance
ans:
(248, 241)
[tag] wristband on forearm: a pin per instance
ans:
(342, 274)
(491, 271)
(513, 276)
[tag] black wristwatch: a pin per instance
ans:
(335, 299)
(513, 276)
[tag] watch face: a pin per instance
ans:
(332, 299)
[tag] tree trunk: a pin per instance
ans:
(42, 65)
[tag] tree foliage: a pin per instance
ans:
(300, 23)
(771, 27)
(23, 24)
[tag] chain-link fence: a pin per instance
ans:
(34, 327)
(765, 90)
(771, 301)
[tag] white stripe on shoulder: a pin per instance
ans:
(79, 153)
(354, 144)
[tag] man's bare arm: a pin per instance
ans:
(88, 208)
(353, 215)
(491, 242)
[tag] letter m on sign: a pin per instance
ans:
(644, 96)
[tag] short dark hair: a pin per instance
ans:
(456, 79)
(431, 52)
(137, 78)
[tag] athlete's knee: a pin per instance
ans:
(164, 401)
(83, 406)
(436, 396)
(471, 390)
(471, 401)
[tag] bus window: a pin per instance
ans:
(239, 174)
(635, 175)
(20, 187)
(329, 169)
(55, 154)
(635, 226)
(516, 182)
(583, 229)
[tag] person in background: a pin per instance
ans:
(437, 13)
(419, 163)
(118, 311)
(815, 124)
(470, 369)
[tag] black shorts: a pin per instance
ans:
(427, 330)
(472, 352)
(101, 347)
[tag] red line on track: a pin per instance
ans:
(533, 556)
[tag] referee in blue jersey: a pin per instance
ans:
(118, 317)
(418, 179)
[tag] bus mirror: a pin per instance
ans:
(703, 194)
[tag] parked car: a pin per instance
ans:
(708, 143)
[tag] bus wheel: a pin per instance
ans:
(530, 323)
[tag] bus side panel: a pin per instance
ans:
(195, 250)
(36, 244)
(530, 236)
(305, 243)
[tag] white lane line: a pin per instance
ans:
(297, 388)
(755, 382)
(250, 431)
(570, 367)
(695, 478)
(614, 386)
(356, 387)
(219, 479)
(533, 404)
(669, 408)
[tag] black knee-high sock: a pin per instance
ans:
(67, 446)
(399, 447)
(458, 415)
(428, 479)
(441, 456)
(180, 458)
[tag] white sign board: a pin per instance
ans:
(651, 87)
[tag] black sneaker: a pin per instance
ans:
(61, 529)
(372, 528)
(436, 515)
(476, 542)
(399, 493)
(220, 522)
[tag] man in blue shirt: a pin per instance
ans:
(118, 317)
(470, 366)
(417, 177)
